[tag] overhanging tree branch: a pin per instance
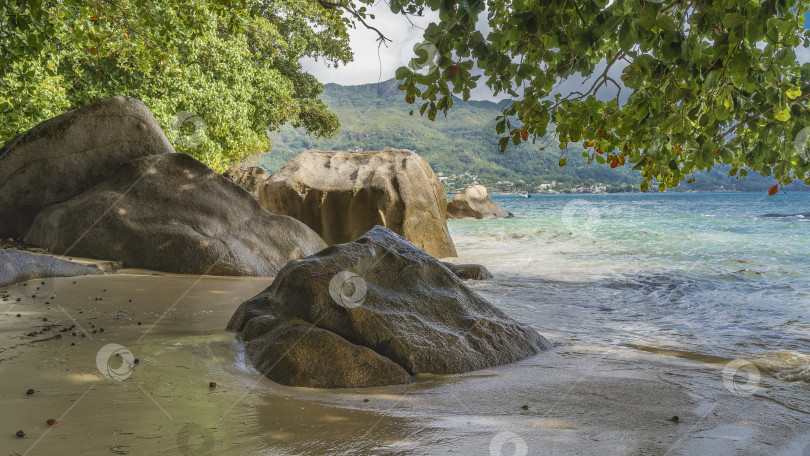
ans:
(357, 15)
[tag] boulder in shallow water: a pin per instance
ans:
(172, 213)
(475, 202)
(341, 195)
(469, 271)
(375, 302)
(68, 154)
(17, 266)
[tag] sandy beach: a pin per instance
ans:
(574, 400)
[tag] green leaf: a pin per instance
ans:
(402, 73)
(732, 20)
(503, 143)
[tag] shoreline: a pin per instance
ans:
(579, 399)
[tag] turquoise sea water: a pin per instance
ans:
(697, 275)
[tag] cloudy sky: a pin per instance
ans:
(369, 59)
(373, 63)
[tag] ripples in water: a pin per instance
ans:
(706, 274)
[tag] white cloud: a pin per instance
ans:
(374, 63)
(803, 54)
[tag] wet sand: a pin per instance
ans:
(574, 400)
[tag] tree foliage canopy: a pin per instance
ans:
(701, 82)
(233, 64)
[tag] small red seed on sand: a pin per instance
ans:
(20, 433)
(30, 392)
(52, 421)
(212, 384)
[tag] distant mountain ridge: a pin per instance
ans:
(374, 116)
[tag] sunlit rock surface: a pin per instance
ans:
(475, 202)
(341, 195)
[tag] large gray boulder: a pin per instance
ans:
(341, 195)
(475, 202)
(381, 294)
(469, 271)
(68, 154)
(17, 266)
(172, 213)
